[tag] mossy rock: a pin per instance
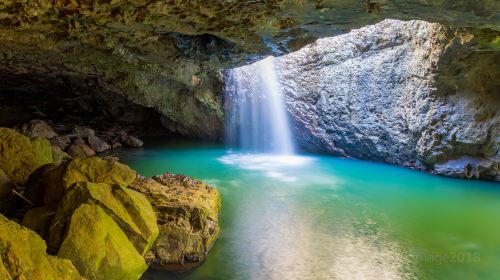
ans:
(39, 219)
(20, 155)
(23, 257)
(97, 170)
(45, 185)
(7, 198)
(98, 247)
(128, 208)
(49, 183)
(187, 211)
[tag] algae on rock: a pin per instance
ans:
(187, 211)
(23, 257)
(98, 247)
(97, 170)
(129, 209)
(20, 155)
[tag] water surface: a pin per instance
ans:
(320, 217)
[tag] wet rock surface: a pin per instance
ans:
(187, 211)
(389, 92)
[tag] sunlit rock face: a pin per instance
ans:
(167, 54)
(408, 93)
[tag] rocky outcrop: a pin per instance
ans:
(409, 93)
(20, 155)
(22, 256)
(187, 211)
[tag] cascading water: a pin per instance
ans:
(256, 118)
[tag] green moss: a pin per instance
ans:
(98, 248)
(97, 170)
(6, 195)
(20, 155)
(130, 210)
(23, 256)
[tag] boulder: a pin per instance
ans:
(49, 183)
(80, 149)
(38, 128)
(59, 155)
(97, 144)
(133, 142)
(20, 155)
(38, 219)
(23, 256)
(7, 198)
(83, 131)
(61, 142)
(97, 170)
(45, 185)
(98, 248)
(128, 208)
(187, 211)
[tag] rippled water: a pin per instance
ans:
(318, 217)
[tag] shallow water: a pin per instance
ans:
(319, 217)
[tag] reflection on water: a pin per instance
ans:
(313, 217)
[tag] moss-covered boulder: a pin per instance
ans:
(49, 183)
(187, 211)
(128, 208)
(20, 155)
(98, 248)
(45, 185)
(7, 199)
(39, 219)
(97, 170)
(23, 257)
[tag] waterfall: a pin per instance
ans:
(256, 118)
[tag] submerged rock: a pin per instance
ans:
(23, 256)
(187, 211)
(98, 248)
(20, 155)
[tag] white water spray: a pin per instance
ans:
(256, 118)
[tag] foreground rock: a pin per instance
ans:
(408, 93)
(187, 211)
(7, 199)
(86, 213)
(98, 248)
(20, 155)
(49, 183)
(128, 208)
(23, 256)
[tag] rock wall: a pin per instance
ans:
(167, 55)
(410, 93)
